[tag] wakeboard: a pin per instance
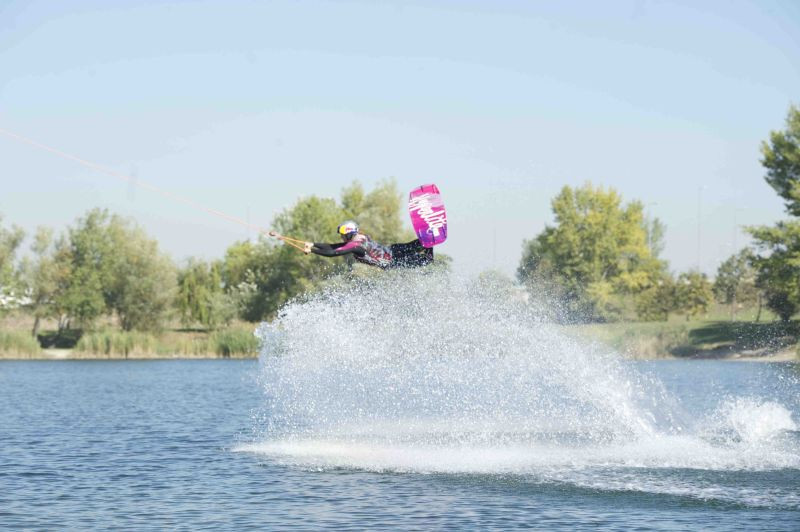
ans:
(428, 216)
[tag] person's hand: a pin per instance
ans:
(307, 247)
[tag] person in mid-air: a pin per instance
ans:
(364, 249)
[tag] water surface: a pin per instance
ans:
(174, 444)
(407, 401)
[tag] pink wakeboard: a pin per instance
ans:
(428, 215)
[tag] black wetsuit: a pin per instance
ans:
(364, 249)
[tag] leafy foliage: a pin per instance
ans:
(735, 282)
(106, 265)
(46, 274)
(778, 265)
(201, 296)
(378, 212)
(18, 343)
(781, 158)
(262, 276)
(10, 240)
(655, 230)
(658, 301)
(143, 285)
(234, 342)
(779, 268)
(595, 254)
(694, 293)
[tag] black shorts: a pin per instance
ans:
(410, 255)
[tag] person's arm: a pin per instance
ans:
(322, 245)
(335, 250)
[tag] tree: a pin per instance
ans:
(735, 282)
(779, 267)
(596, 253)
(263, 276)
(91, 257)
(658, 301)
(655, 230)
(290, 271)
(245, 269)
(694, 293)
(781, 158)
(377, 212)
(143, 284)
(46, 275)
(115, 268)
(10, 240)
(201, 296)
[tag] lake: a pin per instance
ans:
(228, 444)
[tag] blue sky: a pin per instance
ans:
(247, 106)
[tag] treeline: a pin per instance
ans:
(601, 259)
(105, 266)
(601, 262)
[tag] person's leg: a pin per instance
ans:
(411, 254)
(399, 254)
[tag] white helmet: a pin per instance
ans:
(348, 229)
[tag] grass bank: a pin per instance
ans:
(679, 338)
(19, 344)
(233, 342)
(227, 343)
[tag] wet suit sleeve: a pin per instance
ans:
(337, 250)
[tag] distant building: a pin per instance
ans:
(11, 301)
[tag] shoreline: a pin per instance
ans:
(788, 354)
(69, 354)
(728, 354)
(783, 355)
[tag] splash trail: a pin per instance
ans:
(411, 372)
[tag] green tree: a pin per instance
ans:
(201, 296)
(144, 284)
(46, 274)
(290, 271)
(10, 240)
(781, 158)
(245, 269)
(655, 230)
(779, 266)
(656, 302)
(595, 254)
(115, 268)
(377, 212)
(735, 282)
(694, 293)
(91, 257)
(263, 276)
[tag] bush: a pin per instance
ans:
(18, 343)
(639, 340)
(225, 343)
(234, 342)
(117, 343)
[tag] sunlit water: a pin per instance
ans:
(435, 403)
